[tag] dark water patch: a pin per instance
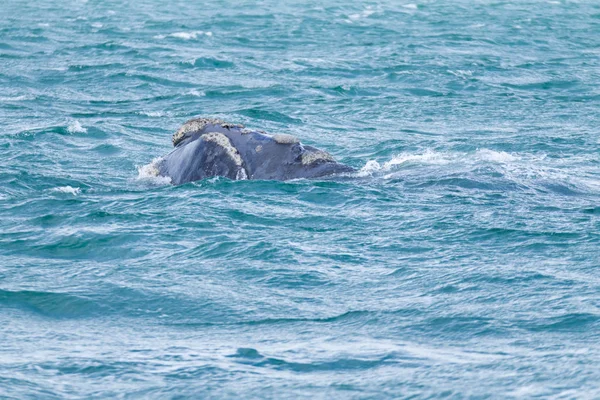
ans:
(253, 220)
(210, 63)
(50, 220)
(253, 357)
(136, 76)
(11, 56)
(107, 149)
(459, 325)
(218, 248)
(190, 373)
(29, 38)
(32, 133)
(571, 322)
(591, 210)
(295, 280)
(525, 235)
(241, 92)
(422, 92)
(133, 102)
(346, 320)
(51, 304)
(563, 189)
(345, 91)
(518, 279)
(546, 85)
(95, 67)
(6, 46)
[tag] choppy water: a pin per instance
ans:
(462, 260)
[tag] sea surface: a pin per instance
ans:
(461, 260)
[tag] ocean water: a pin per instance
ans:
(460, 261)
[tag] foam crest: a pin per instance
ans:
(67, 189)
(495, 156)
(430, 157)
(76, 127)
(155, 114)
(370, 167)
(17, 98)
(185, 35)
(151, 172)
(196, 93)
(364, 14)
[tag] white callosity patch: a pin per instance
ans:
(193, 125)
(233, 153)
(310, 157)
(283, 138)
(197, 124)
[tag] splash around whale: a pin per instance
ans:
(209, 147)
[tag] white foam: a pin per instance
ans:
(97, 25)
(185, 35)
(370, 167)
(67, 189)
(430, 157)
(461, 73)
(365, 14)
(75, 127)
(411, 6)
(154, 113)
(528, 170)
(17, 98)
(196, 93)
(151, 173)
(495, 156)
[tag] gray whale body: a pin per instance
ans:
(208, 147)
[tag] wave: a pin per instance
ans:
(484, 166)
(248, 355)
(50, 304)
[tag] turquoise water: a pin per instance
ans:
(460, 261)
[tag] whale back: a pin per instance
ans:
(206, 147)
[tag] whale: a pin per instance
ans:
(211, 147)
